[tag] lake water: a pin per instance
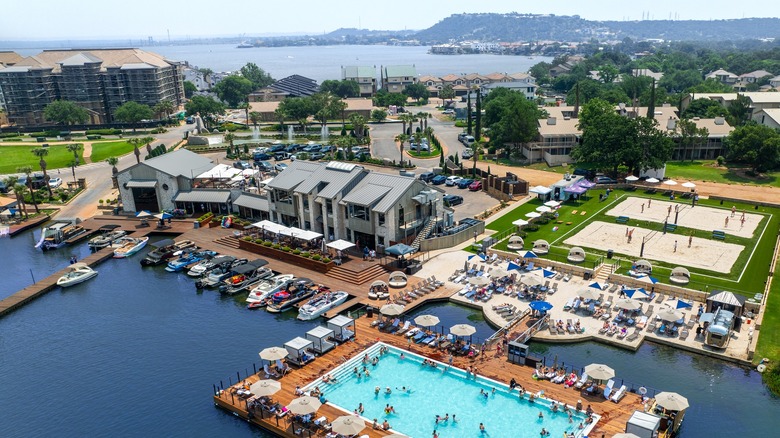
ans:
(324, 62)
(135, 352)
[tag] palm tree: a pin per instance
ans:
(475, 149)
(75, 148)
(40, 153)
(19, 190)
(113, 161)
(246, 107)
(423, 117)
(358, 125)
(280, 116)
(402, 138)
(229, 137)
(165, 107)
(27, 170)
(135, 142)
(148, 141)
(12, 182)
(256, 117)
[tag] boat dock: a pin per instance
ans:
(490, 364)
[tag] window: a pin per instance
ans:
(307, 225)
(381, 217)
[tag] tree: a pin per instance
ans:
(688, 134)
(378, 115)
(297, 108)
(229, 137)
(325, 106)
(478, 117)
(207, 107)
(164, 107)
(259, 77)
(541, 71)
(704, 108)
(344, 88)
(40, 153)
(401, 139)
(603, 134)
(206, 72)
(189, 89)
(135, 142)
(383, 98)
(755, 144)
(12, 182)
(711, 86)
(417, 91)
(422, 117)
(447, 93)
(739, 110)
(255, 117)
(476, 148)
(406, 118)
(233, 90)
(280, 116)
(651, 104)
(608, 73)
(511, 119)
(246, 107)
(680, 80)
(358, 125)
(132, 113)
(633, 86)
(65, 112)
(113, 161)
(74, 148)
(27, 170)
(468, 114)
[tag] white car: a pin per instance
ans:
(55, 182)
(280, 167)
(452, 180)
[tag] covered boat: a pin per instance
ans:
(57, 235)
(299, 290)
(77, 273)
(220, 273)
(260, 294)
(165, 249)
(246, 277)
(320, 304)
(108, 234)
(127, 246)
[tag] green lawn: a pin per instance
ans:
(103, 150)
(12, 157)
(704, 171)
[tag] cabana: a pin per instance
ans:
(680, 275)
(378, 290)
(541, 247)
(727, 301)
(297, 351)
(319, 337)
(520, 223)
(397, 279)
(542, 192)
(642, 267)
(340, 326)
(576, 255)
(515, 243)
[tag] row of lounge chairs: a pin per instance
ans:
(423, 337)
(423, 288)
(582, 383)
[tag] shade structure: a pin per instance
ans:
(596, 285)
(688, 185)
(552, 204)
(531, 280)
(520, 222)
(271, 227)
(588, 293)
(627, 304)
(265, 387)
(463, 330)
(669, 315)
(599, 371)
(528, 255)
(391, 309)
(671, 401)
(647, 279)
(340, 245)
(348, 425)
(575, 189)
(273, 353)
(636, 293)
(143, 213)
(426, 320)
(163, 216)
(670, 182)
(543, 209)
(498, 273)
(480, 256)
(512, 267)
(479, 281)
(541, 306)
(304, 405)
(652, 180)
(533, 214)
(400, 249)
(548, 274)
(632, 178)
(625, 435)
(585, 183)
(683, 305)
(643, 264)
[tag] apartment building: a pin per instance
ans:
(365, 77)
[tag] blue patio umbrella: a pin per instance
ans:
(540, 306)
(482, 257)
(512, 267)
(400, 249)
(596, 285)
(163, 215)
(529, 255)
(640, 293)
(648, 279)
(548, 274)
(683, 305)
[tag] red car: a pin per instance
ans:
(476, 185)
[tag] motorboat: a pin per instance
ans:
(245, 45)
(58, 234)
(77, 273)
(186, 259)
(165, 249)
(219, 274)
(300, 289)
(127, 246)
(266, 288)
(246, 277)
(109, 234)
(321, 304)
(208, 264)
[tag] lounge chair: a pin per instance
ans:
(642, 322)
(684, 334)
(635, 334)
(404, 328)
(659, 298)
(394, 327)
(619, 394)
(553, 288)
(436, 282)
(419, 336)
(411, 332)
(567, 277)
(652, 326)
(608, 389)
(580, 383)
(568, 304)
(570, 326)
(530, 267)
(649, 311)
(553, 330)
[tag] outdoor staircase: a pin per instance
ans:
(429, 224)
(345, 274)
(604, 274)
(228, 241)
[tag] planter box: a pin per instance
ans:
(289, 257)
(213, 224)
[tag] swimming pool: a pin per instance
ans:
(439, 391)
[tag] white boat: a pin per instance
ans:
(77, 273)
(106, 238)
(321, 304)
(208, 264)
(58, 234)
(268, 287)
(128, 246)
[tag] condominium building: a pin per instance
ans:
(99, 80)
(396, 77)
(363, 75)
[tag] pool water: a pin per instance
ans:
(439, 391)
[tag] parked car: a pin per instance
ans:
(464, 183)
(449, 111)
(261, 156)
(316, 156)
(438, 180)
(280, 156)
(461, 136)
(276, 148)
(467, 154)
(468, 140)
(427, 176)
(55, 182)
(475, 186)
(453, 200)
(312, 148)
(242, 165)
(358, 149)
(328, 148)
(280, 167)
(604, 180)
(453, 180)
(292, 148)
(265, 166)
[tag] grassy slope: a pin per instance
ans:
(103, 150)
(12, 157)
(702, 171)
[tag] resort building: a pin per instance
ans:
(396, 77)
(722, 76)
(365, 77)
(360, 106)
(759, 100)
(768, 117)
(7, 59)
(99, 80)
(347, 201)
(522, 82)
(195, 76)
(291, 86)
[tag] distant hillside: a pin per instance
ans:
(528, 27)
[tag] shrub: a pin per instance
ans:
(326, 260)
(316, 257)
(258, 241)
(531, 227)
(720, 160)
(276, 246)
(64, 196)
(107, 131)
(286, 248)
(267, 243)
(296, 251)
(248, 239)
(522, 233)
(306, 254)
(542, 221)
(100, 201)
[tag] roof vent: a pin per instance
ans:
(566, 118)
(720, 120)
(551, 120)
(671, 124)
(697, 119)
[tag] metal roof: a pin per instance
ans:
(297, 172)
(320, 332)
(366, 195)
(296, 85)
(335, 175)
(395, 186)
(180, 163)
(358, 71)
(727, 297)
(298, 343)
(142, 183)
(252, 201)
(215, 196)
(394, 71)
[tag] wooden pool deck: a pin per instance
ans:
(491, 365)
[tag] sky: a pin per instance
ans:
(107, 19)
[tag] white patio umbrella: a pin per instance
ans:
(533, 214)
(348, 425)
(652, 180)
(426, 320)
(669, 315)
(632, 178)
(627, 304)
(265, 387)
(552, 204)
(463, 330)
(479, 281)
(520, 222)
(391, 309)
(273, 353)
(670, 182)
(531, 280)
(543, 209)
(599, 371)
(304, 405)
(588, 293)
(498, 273)
(688, 185)
(671, 401)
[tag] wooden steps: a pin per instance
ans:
(357, 277)
(228, 241)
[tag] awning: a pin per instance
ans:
(142, 183)
(340, 245)
(420, 199)
(253, 202)
(219, 171)
(271, 227)
(301, 234)
(540, 190)
(209, 196)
